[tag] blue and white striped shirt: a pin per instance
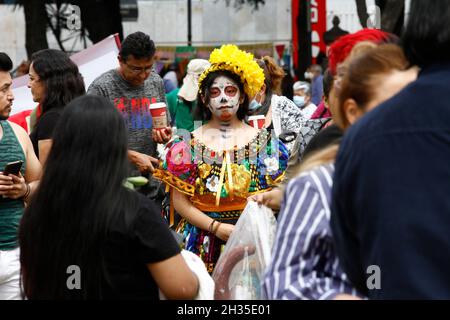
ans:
(304, 262)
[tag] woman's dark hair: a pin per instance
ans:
(62, 80)
(5, 62)
(80, 193)
(327, 83)
(202, 112)
(286, 84)
(139, 45)
(426, 39)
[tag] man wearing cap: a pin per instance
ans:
(302, 98)
(182, 102)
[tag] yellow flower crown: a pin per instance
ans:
(230, 57)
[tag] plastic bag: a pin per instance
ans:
(205, 282)
(240, 268)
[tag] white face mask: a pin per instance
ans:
(309, 75)
(299, 101)
(255, 104)
(224, 98)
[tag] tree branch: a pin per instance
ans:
(361, 8)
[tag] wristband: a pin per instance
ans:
(211, 226)
(217, 227)
(27, 193)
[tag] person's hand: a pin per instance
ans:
(162, 136)
(144, 162)
(271, 199)
(260, 198)
(6, 183)
(224, 231)
(12, 186)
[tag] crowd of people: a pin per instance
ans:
(353, 162)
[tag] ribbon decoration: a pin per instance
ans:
(226, 165)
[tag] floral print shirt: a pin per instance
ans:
(291, 118)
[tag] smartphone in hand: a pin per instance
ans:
(13, 168)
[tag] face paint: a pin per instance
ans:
(224, 98)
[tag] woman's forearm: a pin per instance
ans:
(188, 211)
(33, 186)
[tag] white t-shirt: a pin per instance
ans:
(308, 111)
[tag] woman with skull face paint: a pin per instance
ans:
(213, 170)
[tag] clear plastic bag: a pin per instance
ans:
(240, 268)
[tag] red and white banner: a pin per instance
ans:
(318, 27)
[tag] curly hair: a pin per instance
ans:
(139, 45)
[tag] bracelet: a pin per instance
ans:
(217, 228)
(27, 193)
(211, 226)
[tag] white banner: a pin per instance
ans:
(91, 62)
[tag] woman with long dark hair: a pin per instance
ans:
(82, 219)
(54, 82)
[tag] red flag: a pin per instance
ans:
(280, 50)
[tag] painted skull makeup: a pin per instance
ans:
(224, 98)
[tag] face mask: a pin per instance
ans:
(299, 101)
(308, 75)
(254, 105)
